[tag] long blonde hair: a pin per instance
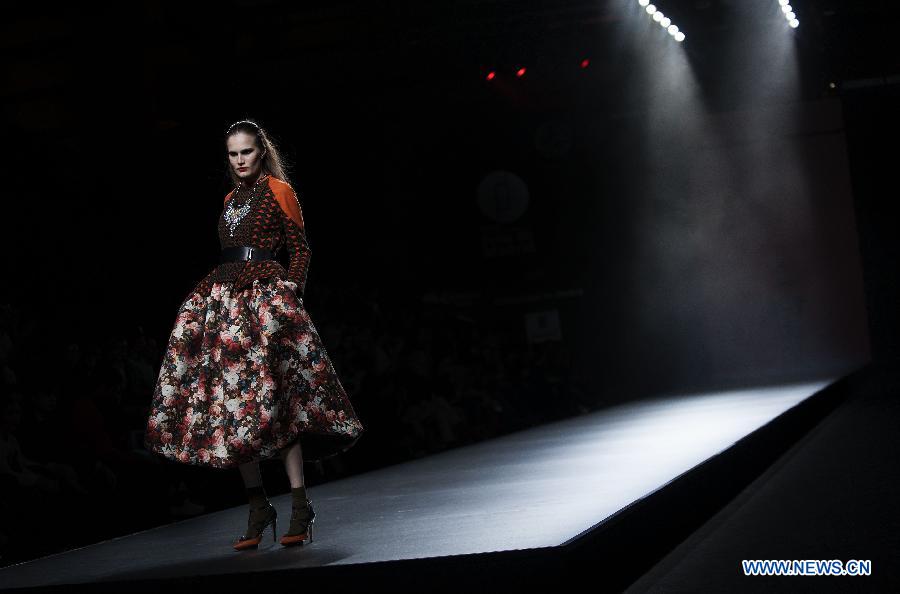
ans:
(272, 163)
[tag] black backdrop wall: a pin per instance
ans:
(708, 239)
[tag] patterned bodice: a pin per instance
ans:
(271, 219)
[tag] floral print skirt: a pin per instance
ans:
(244, 375)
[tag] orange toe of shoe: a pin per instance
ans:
(294, 540)
(252, 543)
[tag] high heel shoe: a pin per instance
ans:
(302, 520)
(259, 520)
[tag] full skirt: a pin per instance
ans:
(244, 375)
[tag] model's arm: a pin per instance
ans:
(294, 237)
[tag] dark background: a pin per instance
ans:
(687, 220)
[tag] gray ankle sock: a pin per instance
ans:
(298, 496)
(257, 497)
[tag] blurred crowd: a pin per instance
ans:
(422, 377)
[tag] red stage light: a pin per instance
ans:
(491, 75)
(520, 72)
(585, 62)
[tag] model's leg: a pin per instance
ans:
(250, 474)
(293, 464)
(262, 513)
(302, 514)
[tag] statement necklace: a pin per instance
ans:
(234, 214)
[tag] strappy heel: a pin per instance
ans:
(256, 527)
(303, 519)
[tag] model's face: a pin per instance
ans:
(243, 155)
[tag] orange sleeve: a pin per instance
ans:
(228, 195)
(294, 234)
(287, 199)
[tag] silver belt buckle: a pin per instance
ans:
(250, 253)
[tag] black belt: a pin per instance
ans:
(244, 252)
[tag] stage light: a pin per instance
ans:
(679, 37)
(491, 75)
(789, 15)
(520, 72)
(585, 63)
(664, 21)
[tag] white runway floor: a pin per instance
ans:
(536, 488)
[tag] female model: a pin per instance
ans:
(245, 375)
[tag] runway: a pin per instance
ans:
(629, 480)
